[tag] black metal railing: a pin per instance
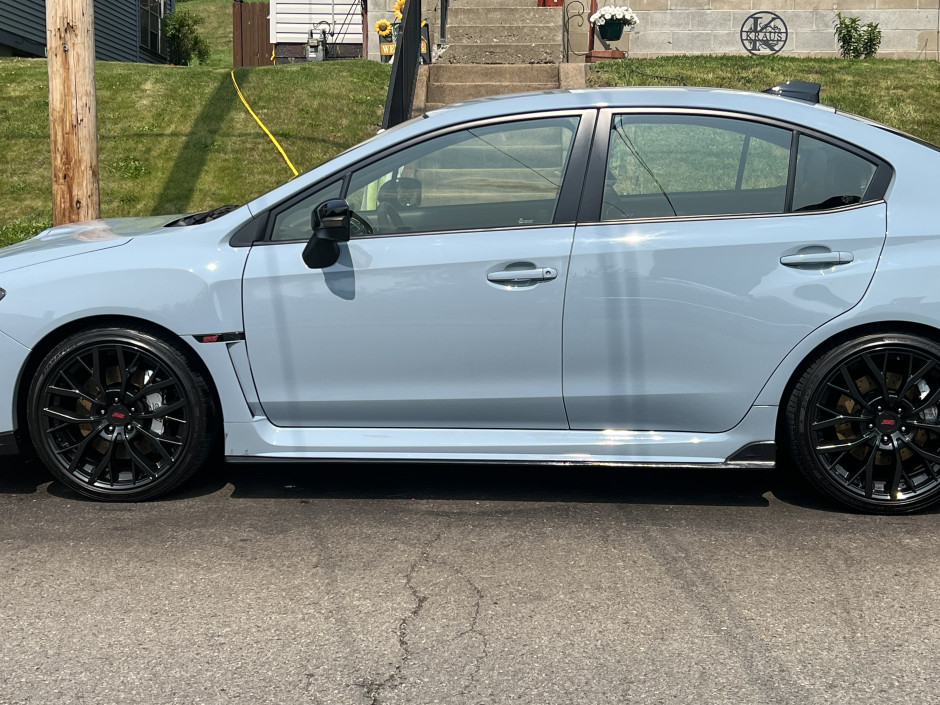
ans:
(442, 39)
(401, 85)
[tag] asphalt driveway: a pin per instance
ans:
(339, 584)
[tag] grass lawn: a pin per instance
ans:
(174, 139)
(902, 94)
(177, 139)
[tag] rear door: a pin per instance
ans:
(713, 245)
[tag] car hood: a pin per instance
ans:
(78, 238)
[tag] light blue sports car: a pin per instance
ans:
(644, 277)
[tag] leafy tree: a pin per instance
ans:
(856, 41)
(185, 44)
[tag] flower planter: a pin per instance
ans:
(611, 31)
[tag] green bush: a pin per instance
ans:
(856, 41)
(185, 44)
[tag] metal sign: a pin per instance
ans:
(764, 33)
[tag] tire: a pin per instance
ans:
(119, 414)
(862, 423)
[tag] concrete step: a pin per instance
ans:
(522, 53)
(493, 73)
(458, 92)
(506, 34)
(490, 4)
(449, 185)
(534, 16)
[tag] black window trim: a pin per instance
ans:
(591, 202)
(565, 211)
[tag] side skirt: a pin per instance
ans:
(747, 445)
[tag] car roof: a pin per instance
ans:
(626, 97)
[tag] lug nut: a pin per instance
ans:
(871, 426)
(110, 429)
(903, 429)
(885, 440)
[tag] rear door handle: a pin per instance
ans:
(540, 274)
(817, 259)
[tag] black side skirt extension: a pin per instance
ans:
(8, 444)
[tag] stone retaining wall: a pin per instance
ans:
(909, 28)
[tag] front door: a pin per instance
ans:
(447, 314)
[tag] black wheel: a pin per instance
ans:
(120, 414)
(862, 423)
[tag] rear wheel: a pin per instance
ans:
(862, 423)
(120, 414)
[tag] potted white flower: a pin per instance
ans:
(610, 21)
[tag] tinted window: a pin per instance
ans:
(487, 177)
(295, 223)
(828, 176)
(668, 165)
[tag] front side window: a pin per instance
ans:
(690, 165)
(296, 222)
(505, 175)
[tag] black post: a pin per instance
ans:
(401, 85)
(443, 38)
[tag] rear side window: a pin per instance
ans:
(681, 165)
(828, 176)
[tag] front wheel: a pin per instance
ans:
(862, 423)
(119, 414)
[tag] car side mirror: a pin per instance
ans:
(330, 222)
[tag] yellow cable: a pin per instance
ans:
(266, 131)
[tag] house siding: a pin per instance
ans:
(117, 31)
(24, 24)
(291, 20)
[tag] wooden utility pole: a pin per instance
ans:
(73, 120)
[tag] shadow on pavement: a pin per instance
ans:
(497, 482)
(515, 483)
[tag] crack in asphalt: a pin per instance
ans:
(374, 688)
(472, 629)
(377, 690)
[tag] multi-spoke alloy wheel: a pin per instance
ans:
(863, 423)
(118, 414)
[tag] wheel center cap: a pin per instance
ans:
(888, 423)
(119, 415)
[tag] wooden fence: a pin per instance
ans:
(250, 34)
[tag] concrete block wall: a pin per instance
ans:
(909, 28)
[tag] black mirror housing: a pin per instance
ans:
(330, 220)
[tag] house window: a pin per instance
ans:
(152, 36)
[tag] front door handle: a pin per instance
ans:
(540, 274)
(817, 259)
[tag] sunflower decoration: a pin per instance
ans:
(383, 27)
(399, 6)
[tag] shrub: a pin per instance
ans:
(184, 43)
(856, 41)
